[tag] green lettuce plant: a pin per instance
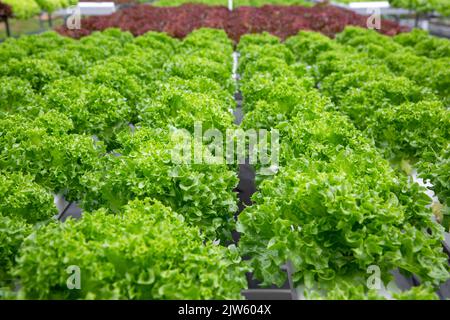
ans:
(43, 148)
(144, 251)
(202, 193)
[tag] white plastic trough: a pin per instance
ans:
(367, 7)
(89, 9)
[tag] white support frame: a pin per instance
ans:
(90, 9)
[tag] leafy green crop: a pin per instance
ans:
(21, 197)
(157, 41)
(63, 101)
(13, 230)
(69, 59)
(33, 45)
(42, 147)
(417, 293)
(207, 39)
(431, 73)
(116, 77)
(267, 115)
(367, 76)
(283, 91)
(200, 84)
(439, 174)
(406, 120)
(424, 44)
(411, 130)
(336, 207)
(252, 52)
(145, 65)
(423, 6)
(110, 42)
(188, 67)
(200, 192)
(23, 9)
(342, 289)
(37, 71)
(9, 50)
(308, 45)
(179, 108)
(419, 6)
(17, 96)
(363, 99)
(328, 223)
(145, 251)
(94, 109)
(50, 5)
(22, 204)
(257, 39)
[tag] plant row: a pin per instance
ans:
(24, 9)
(396, 95)
(282, 21)
(423, 6)
(96, 120)
(419, 6)
(336, 207)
